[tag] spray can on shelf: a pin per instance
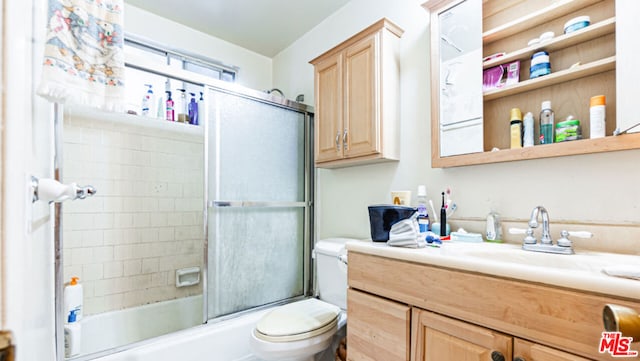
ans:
(597, 116)
(546, 123)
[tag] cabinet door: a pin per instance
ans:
(378, 329)
(529, 351)
(460, 79)
(362, 117)
(328, 92)
(437, 338)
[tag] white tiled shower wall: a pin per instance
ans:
(144, 222)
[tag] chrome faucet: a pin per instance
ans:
(533, 223)
(562, 246)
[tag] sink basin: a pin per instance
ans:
(582, 270)
(514, 254)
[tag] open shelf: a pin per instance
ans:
(561, 76)
(131, 121)
(607, 26)
(576, 147)
(509, 24)
(534, 18)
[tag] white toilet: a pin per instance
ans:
(300, 330)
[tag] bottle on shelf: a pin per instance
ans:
(516, 128)
(546, 123)
(527, 139)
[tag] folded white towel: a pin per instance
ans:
(406, 233)
(625, 271)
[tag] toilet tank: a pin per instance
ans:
(331, 270)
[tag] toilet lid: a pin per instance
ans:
(297, 321)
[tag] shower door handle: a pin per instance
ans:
(52, 191)
(254, 204)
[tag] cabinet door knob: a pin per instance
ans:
(497, 356)
(519, 359)
(338, 141)
(344, 139)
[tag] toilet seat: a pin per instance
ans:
(297, 321)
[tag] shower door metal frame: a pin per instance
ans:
(208, 84)
(309, 190)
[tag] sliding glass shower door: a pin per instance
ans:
(259, 203)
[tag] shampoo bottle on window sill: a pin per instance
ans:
(170, 116)
(193, 110)
(200, 108)
(181, 105)
(161, 108)
(148, 102)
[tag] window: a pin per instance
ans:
(138, 80)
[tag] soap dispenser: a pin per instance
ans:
(494, 228)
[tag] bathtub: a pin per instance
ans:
(222, 341)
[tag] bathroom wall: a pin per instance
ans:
(254, 69)
(145, 221)
(596, 192)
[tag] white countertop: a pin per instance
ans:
(581, 271)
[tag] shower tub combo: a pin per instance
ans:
(246, 223)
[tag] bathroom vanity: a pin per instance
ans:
(480, 302)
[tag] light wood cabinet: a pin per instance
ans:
(437, 338)
(584, 63)
(357, 98)
(459, 315)
(378, 328)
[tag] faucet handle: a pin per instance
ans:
(529, 238)
(564, 240)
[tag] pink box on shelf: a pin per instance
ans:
(501, 76)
